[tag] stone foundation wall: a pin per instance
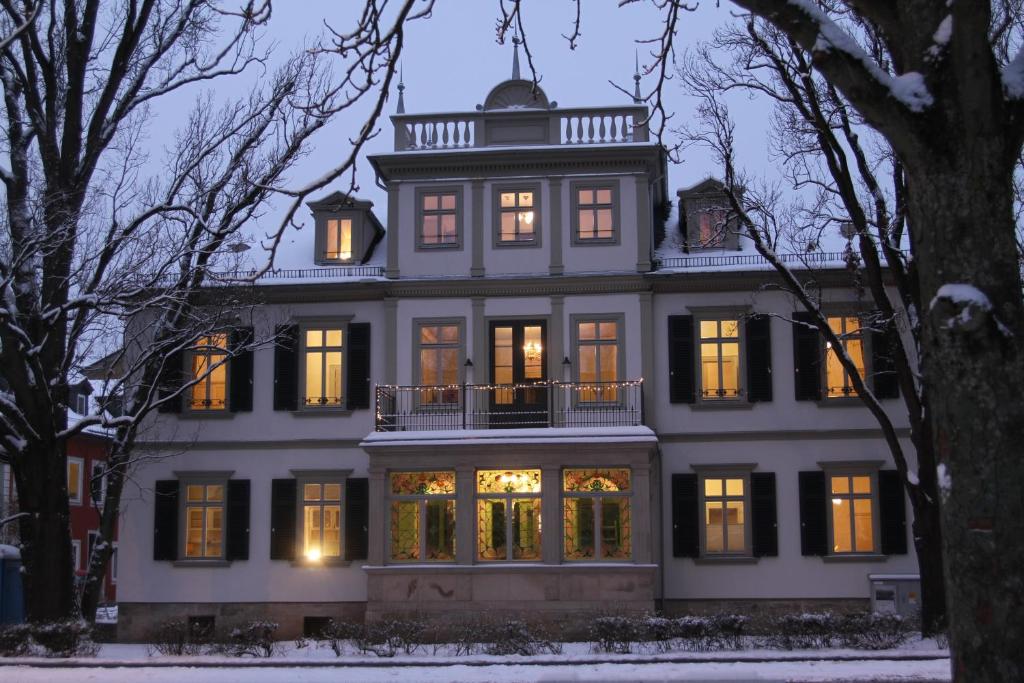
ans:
(137, 620)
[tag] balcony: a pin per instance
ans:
(511, 406)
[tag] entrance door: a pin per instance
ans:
(519, 357)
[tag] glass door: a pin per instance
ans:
(518, 361)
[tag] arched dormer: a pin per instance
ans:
(516, 93)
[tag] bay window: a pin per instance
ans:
(596, 514)
(422, 516)
(508, 515)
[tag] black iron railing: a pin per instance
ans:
(505, 406)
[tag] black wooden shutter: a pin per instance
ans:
(171, 381)
(165, 520)
(237, 546)
(681, 359)
(759, 358)
(685, 516)
(282, 519)
(765, 531)
(892, 513)
(813, 514)
(883, 362)
(357, 518)
(807, 352)
(358, 366)
(286, 367)
(240, 370)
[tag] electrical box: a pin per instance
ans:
(896, 593)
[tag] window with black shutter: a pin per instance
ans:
(685, 516)
(286, 367)
(759, 358)
(240, 376)
(813, 513)
(807, 352)
(282, 519)
(883, 362)
(237, 537)
(357, 518)
(358, 366)
(165, 521)
(172, 379)
(764, 519)
(892, 513)
(682, 388)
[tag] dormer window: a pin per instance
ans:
(712, 226)
(339, 239)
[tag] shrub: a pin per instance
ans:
(172, 637)
(15, 640)
(515, 637)
(387, 638)
(658, 631)
(254, 639)
(873, 631)
(616, 634)
(334, 634)
(804, 631)
(728, 631)
(70, 638)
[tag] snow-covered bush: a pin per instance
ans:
(873, 631)
(387, 638)
(514, 637)
(253, 639)
(70, 638)
(617, 634)
(172, 637)
(335, 633)
(804, 631)
(727, 631)
(15, 640)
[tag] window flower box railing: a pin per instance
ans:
(509, 406)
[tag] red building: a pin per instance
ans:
(87, 458)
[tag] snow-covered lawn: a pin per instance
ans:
(577, 663)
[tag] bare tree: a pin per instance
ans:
(90, 238)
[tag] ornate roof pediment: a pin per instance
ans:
(516, 94)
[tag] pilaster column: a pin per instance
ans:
(478, 229)
(479, 355)
(377, 514)
(556, 337)
(555, 221)
(642, 502)
(551, 513)
(390, 340)
(392, 267)
(644, 227)
(647, 349)
(465, 514)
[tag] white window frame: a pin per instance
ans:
(75, 500)
(76, 554)
(103, 483)
(113, 564)
(82, 404)
(323, 326)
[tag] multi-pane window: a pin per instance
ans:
(81, 404)
(75, 467)
(210, 373)
(422, 516)
(324, 350)
(321, 520)
(595, 211)
(508, 514)
(517, 218)
(338, 242)
(725, 516)
(438, 220)
(440, 349)
(596, 514)
(98, 483)
(837, 379)
(853, 529)
(719, 359)
(204, 521)
(598, 360)
(711, 227)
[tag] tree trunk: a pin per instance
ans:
(100, 558)
(973, 368)
(47, 577)
(928, 545)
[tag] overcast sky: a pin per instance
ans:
(452, 60)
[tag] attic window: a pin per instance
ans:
(712, 226)
(339, 239)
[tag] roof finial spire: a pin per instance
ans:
(515, 56)
(401, 89)
(637, 98)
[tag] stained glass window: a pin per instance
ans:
(596, 514)
(422, 516)
(508, 515)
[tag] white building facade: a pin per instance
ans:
(500, 400)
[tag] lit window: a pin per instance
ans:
(517, 217)
(853, 528)
(438, 220)
(321, 520)
(724, 515)
(204, 521)
(598, 360)
(339, 239)
(324, 350)
(848, 329)
(719, 359)
(596, 514)
(210, 373)
(75, 467)
(508, 509)
(440, 349)
(595, 210)
(423, 516)
(712, 226)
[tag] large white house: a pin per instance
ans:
(527, 392)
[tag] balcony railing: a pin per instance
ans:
(509, 406)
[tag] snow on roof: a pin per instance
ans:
(469, 437)
(9, 552)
